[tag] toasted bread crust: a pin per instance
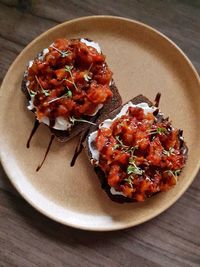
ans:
(100, 174)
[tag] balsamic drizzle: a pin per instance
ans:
(83, 136)
(47, 151)
(157, 100)
(79, 146)
(36, 125)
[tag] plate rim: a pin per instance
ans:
(6, 168)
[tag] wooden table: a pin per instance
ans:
(27, 238)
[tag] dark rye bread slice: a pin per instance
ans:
(100, 174)
(64, 136)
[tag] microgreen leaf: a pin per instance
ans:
(159, 130)
(32, 93)
(68, 68)
(125, 148)
(134, 170)
(168, 153)
(45, 92)
(62, 52)
(132, 149)
(87, 77)
(129, 180)
(177, 172)
(116, 146)
(68, 94)
(174, 173)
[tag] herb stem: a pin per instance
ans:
(68, 69)
(68, 94)
(45, 92)
(159, 130)
(73, 120)
(63, 54)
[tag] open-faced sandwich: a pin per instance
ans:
(136, 151)
(68, 84)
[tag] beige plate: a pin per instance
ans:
(143, 61)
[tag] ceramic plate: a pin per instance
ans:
(143, 61)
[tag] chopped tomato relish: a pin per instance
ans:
(140, 154)
(71, 79)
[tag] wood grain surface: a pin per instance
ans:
(27, 238)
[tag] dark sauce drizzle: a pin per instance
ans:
(157, 100)
(35, 127)
(47, 151)
(79, 146)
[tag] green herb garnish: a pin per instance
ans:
(116, 146)
(63, 53)
(86, 75)
(159, 130)
(168, 153)
(68, 69)
(175, 174)
(120, 143)
(133, 168)
(73, 120)
(129, 180)
(68, 94)
(125, 148)
(32, 93)
(45, 92)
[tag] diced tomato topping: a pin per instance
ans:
(140, 154)
(70, 70)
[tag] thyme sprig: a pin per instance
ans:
(63, 53)
(73, 120)
(68, 69)
(45, 92)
